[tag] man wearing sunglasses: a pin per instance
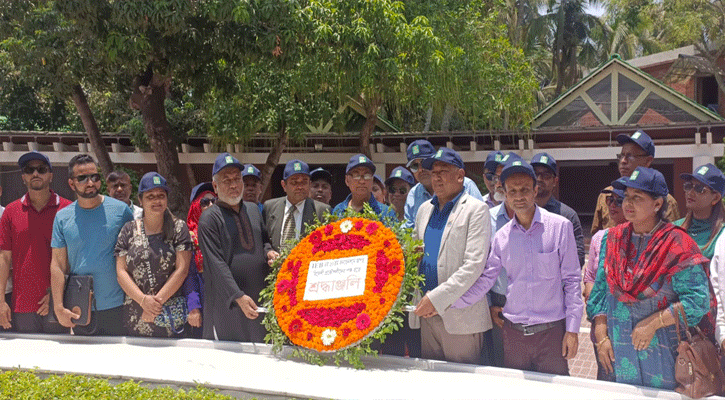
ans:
(638, 150)
(25, 231)
(84, 237)
(418, 151)
(252, 185)
(119, 187)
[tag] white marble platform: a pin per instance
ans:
(245, 369)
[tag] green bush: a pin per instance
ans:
(22, 385)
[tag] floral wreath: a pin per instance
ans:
(343, 327)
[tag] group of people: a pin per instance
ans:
(502, 272)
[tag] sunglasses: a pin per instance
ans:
(365, 177)
(42, 169)
(84, 178)
(206, 201)
(615, 200)
(699, 188)
(414, 167)
(401, 190)
(492, 177)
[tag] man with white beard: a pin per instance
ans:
(236, 247)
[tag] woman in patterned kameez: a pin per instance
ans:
(648, 267)
(152, 260)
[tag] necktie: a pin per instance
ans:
(288, 231)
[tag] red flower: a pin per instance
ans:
(284, 285)
(345, 332)
(327, 317)
(295, 326)
(382, 300)
(362, 321)
(328, 230)
(359, 225)
(393, 267)
(371, 228)
(316, 237)
(284, 308)
(386, 243)
(309, 335)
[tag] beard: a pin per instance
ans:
(87, 195)
(499, 196)
(232, 201)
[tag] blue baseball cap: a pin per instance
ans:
(200, 188)
(359, 160)
(709, 175)
(152, 180)
(225, 160)
(419, 149)
(493, 160)
(378, 179)
(34, 155)
(619, 184)
(295, 167)
(646, 179)
(516, 165)
(401, 173)
(251, 170)
(321, 173)
(546, 160)
(639, 138)
(446, 155)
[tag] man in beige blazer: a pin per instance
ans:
(456, 230)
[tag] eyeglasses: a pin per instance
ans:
(207, 201)
(401, 190)
(615, 200)
(414, 167)
(357, 177)
(630, 157)
(492, 177)
(545, 175)
(42, 169)
(699, 188)
(83, 178)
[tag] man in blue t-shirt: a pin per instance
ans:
(84, 236)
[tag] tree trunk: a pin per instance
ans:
(94, 135)
(371, 120)
(447, 115)
(273, 157)
(149, 93)
(428, 118)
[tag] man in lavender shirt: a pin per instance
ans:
(544, 307)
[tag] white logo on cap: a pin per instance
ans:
(362, 159)
(298, 167)
(497, 157)
(250, 170)
(398, 173)
(157, 180)
(516, 163)
(505, 158)
(634, 176)
(636, 135)
(545, 159)
(229, 159)
(703, 170)
(439, 154)
(415, 149)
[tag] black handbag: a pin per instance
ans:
(77, 297)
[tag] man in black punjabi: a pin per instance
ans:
(235, 245)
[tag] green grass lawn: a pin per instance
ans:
(21, 385)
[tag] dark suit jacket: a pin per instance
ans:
(273, 213)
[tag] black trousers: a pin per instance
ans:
(103, 323)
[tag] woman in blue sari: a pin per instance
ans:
(649, 267)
